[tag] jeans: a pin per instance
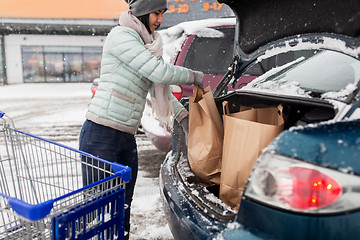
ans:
(115, 146)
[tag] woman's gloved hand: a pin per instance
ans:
(198, 78)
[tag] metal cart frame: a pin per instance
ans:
(51, 191)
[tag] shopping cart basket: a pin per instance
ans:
(51, 191)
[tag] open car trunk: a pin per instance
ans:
(296, 111)
(278, 31)
(302, 55)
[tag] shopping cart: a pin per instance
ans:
(51, 191)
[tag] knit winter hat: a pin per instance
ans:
(141, 7)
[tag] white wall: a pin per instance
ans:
(13, 43)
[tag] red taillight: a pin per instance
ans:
(299, 186)
(307, 188)
(176, 91)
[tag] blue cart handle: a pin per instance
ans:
(29, 211)
(124, 170)
(1, 114)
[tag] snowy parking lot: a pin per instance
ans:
(56, 112)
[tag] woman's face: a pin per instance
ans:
(155, 19)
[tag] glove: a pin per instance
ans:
(198, 78)
(184, 123)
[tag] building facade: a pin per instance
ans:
(60, 51)
(61, 41)
(54, 41)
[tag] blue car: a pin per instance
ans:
(305, 56)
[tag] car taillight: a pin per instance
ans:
(305, 188)
(177, 91)
(93, 89)
(298, 186)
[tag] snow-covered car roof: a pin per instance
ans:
(174, 37)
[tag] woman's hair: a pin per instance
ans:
(145, 20)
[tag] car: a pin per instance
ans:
(183, 44)
(94, 86)
(203, 49)
(305, 56)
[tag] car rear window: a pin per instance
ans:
(211, 55)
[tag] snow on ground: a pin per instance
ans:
(56, 110)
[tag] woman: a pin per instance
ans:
(131, 67)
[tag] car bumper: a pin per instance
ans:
(186, 220)
(286, 225)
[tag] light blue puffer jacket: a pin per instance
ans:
(127, 72)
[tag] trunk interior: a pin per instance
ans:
(296, 112)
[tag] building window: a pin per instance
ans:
(33, 64)
(92, 61)
(61, 64)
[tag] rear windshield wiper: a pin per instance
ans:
(350, 98)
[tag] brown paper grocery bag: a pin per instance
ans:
(205, 136)
(246, 134)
